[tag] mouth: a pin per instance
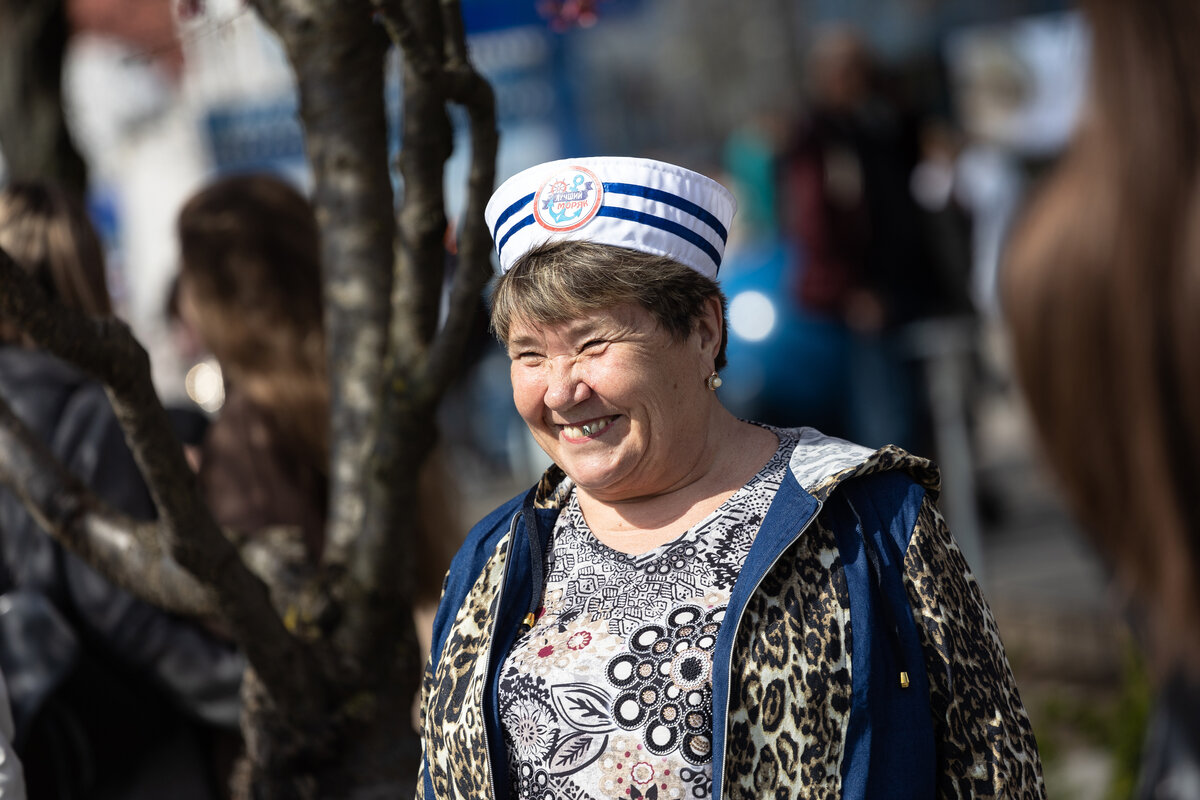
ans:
(586, 430)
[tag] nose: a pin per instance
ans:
(565, 385)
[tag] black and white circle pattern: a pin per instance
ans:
(664, 682)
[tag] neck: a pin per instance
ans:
(734, 452)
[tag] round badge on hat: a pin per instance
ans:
(568, 200)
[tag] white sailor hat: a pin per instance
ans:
(627, 202)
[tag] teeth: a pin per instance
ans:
(586, 429)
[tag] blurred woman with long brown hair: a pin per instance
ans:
(250, 287)
(1102, 292)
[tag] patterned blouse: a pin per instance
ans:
(609, 694)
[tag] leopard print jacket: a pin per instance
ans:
(802, 716)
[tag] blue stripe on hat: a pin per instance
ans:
(522, 224)
(508, 212)
(670, 226)
(699, 212)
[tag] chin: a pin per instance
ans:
(587, 479)
(591, 479)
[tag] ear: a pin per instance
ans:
(709, 327)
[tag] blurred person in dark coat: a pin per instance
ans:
(1102, 294)
(128, 698)
(864, 251)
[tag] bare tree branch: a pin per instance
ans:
(338, 58)
(339, 62)
(416, 375)
(454, 45)
(381, 579)
(427, 143)
(474, 268)
(106, 349)
(394, 17)
(127, 551)
(327, 711)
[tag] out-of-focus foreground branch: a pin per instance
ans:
(185, 545)
(120, 548)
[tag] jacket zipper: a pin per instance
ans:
(487, 665)
(717, 790)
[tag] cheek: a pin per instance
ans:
(528, 390)
(614, 379)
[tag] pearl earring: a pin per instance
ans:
(713, 381)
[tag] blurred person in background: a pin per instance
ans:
(864, 253)
(249, 289)
(112, 698)
(689, 604)
(750, 156)
(1102, 294)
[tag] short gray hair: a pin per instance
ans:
(563, 280)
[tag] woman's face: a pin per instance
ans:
(614, 399)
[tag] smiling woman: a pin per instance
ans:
(691, 604)
(622, 406)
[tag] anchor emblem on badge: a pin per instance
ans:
(568, 200)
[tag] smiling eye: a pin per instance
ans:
(592, 343)
(525, 357)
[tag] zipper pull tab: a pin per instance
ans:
(903, 680)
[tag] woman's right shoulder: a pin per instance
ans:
(486, 534)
